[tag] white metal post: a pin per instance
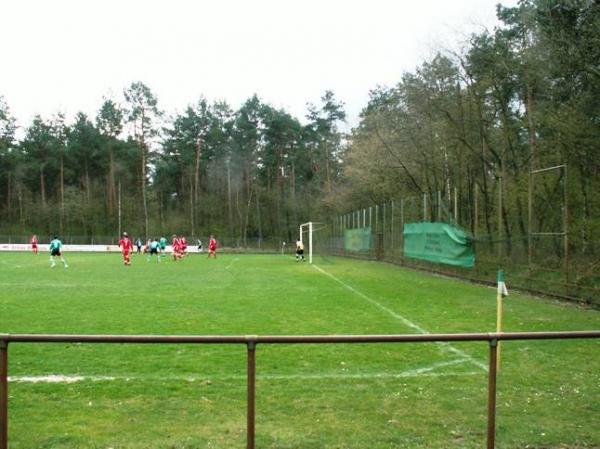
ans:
(310, 241)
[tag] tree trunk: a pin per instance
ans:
(8, 194)
(42, 186)
(192, 206)
(531, 126)
(247, 217)
(20, 198)
(143, 186)
(239, 212)
(196, 185)
(197, 173)
(484, 150)
(258, 220)
(327, 170)
(62, 192)
(532, 164)
(112, 200)
(229, 205)
(87, 184)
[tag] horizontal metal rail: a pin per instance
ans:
(290, 339)
(251, 341)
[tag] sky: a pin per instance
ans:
(67, 55)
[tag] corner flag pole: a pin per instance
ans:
(501, 293)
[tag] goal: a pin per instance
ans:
(306, 237)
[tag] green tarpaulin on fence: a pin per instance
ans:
(357, 239)
(438, 242)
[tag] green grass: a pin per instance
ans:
(308, 396)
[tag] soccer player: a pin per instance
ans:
(176, 248)
(34, 244)
(299, 251)
(153, 249)
(163, 245)
(212, 247)
(138, 244)
(55, 247)
(183, 243)
(199, 244)
(126, 249)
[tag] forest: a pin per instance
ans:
(472, 127)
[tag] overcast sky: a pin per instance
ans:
(66, 56)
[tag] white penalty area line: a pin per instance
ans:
(428, 371)
(402, 319)
(231, 263)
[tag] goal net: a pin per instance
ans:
(307, 235)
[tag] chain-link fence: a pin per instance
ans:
(556, 263)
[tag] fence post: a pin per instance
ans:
(491, 425)
(402, 229)
(251, 404)
(392, 226)
(3, 393)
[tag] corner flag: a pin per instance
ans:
(501, 285)
(502, 292)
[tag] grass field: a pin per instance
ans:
(422, 395)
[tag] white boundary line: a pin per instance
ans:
(418, 372)
(404, 320)
(231, 263)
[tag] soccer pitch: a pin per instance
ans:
(422, 395)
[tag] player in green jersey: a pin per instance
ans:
(153, 248)
(163, 245)
(55, 251)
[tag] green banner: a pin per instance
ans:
(438, 242)
(357, 240)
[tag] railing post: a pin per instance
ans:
(3, 393)
(251, 345)
(491, 426)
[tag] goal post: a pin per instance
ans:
(308, 228)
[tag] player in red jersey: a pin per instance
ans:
(126, 248)
(212, 247)
(183, 243)
(176, 248)
(34, 244)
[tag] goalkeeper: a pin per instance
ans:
(299, 251)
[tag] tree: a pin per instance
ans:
(185, 143)
(143, 116)
(245, 159)
(38, 148)
(59, 132)
(109, 122)
(8, 160)
(87, 161)
(326, 137)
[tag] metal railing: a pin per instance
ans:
(251, 341)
